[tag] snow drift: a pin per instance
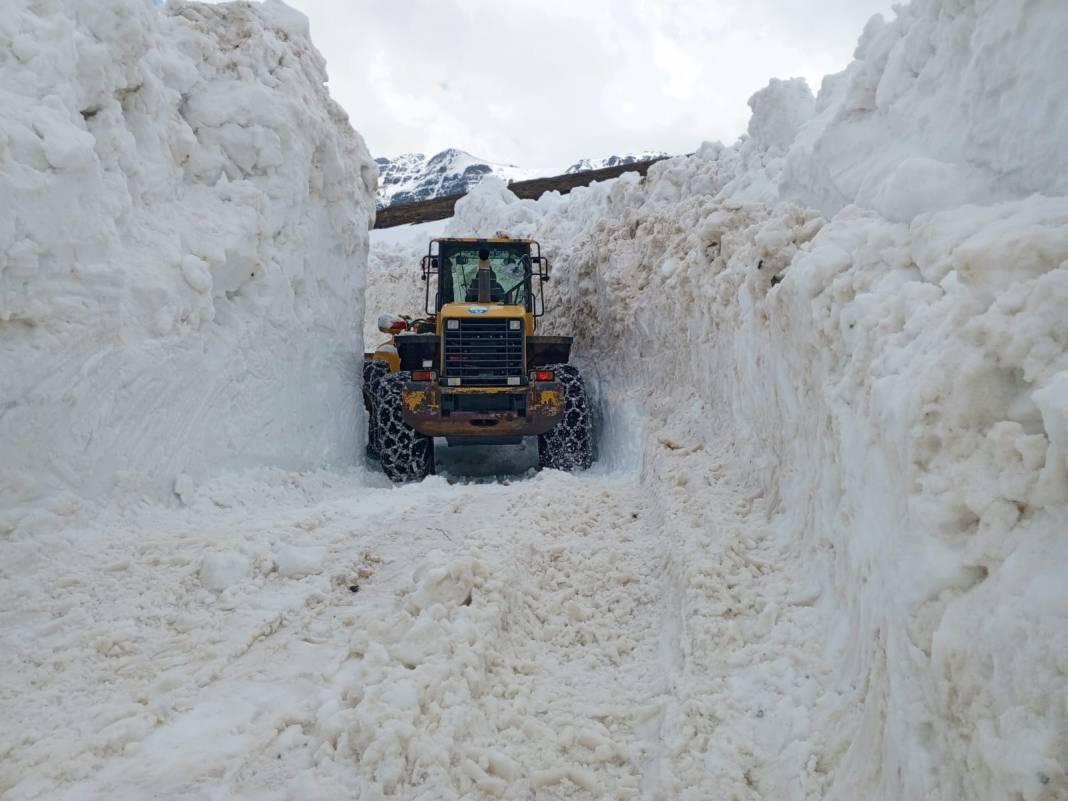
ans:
(183, 218)
(865, 300)
(949, 103)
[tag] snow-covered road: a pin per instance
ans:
(298, 635)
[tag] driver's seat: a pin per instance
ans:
(496, 291)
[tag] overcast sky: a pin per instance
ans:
(542, 83)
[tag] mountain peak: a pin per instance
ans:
(411, 177)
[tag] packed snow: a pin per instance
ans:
(821, 554)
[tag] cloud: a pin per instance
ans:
(543, 83)
(678, 67)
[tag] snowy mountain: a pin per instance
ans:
(411, 177)
(585, 165)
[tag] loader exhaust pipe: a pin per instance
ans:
(484, 276)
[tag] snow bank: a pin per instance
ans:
(888, 360)
(183, 215)
(393, 285)
(892, 410)
(949, 103)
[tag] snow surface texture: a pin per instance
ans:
(183, 236)
(894, 373)
(821, 556)
(307, 636)
(887, 392)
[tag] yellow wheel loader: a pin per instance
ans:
(471, 369)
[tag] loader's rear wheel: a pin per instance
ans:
(404, 453)
(373, 371)
(569, 444)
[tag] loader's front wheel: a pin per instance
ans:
(373, 371)
(404, 453)
(569, 444)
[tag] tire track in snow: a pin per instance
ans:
(561, 637)
(590, 639)
(750, 690)
(523, 660)
(584, 666)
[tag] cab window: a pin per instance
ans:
(509, 273)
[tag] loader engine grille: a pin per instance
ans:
(483, 352)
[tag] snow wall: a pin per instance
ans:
(183, 240)
(887, 362)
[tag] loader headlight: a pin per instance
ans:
(452, 325)
(514, 325)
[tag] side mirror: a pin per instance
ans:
(428, 265)
(545, 268)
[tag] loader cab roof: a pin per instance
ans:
(457, 258)
(490, 240)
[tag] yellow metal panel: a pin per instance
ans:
(493, 310)
(388, 354)
(422, 411)
(548, 397)
(414, 399)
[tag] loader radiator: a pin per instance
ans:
(483, 352)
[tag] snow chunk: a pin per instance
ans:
(184, 488)
(284, 18)
(779, 111)
(918, 185)
(294, 562)
(196, 273)
(1052, 401)
(223, 569)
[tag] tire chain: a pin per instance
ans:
(405, 454)
(373, 371)
(569, 444)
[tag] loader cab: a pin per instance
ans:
(517, 268)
